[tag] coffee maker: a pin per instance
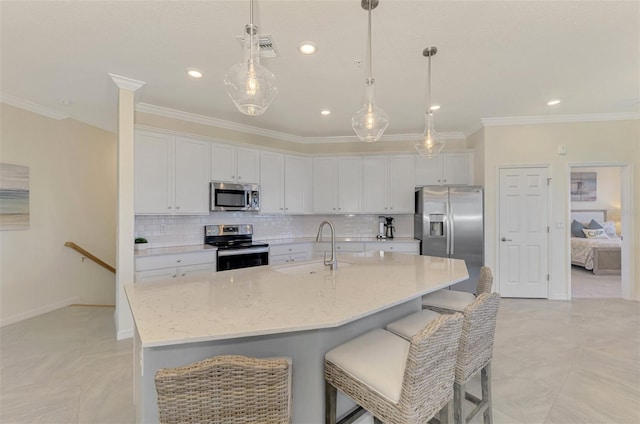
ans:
(389, 228)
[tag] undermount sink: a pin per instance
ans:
(306, 268)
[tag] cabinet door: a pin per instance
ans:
(350, 185)
(153, 173)
(223, 163)
(375, 184)
(191, 177)
(307, 184)
(272, 177)
(200, 269)
(456, 168)
(401, 184)
(293, 184)
(429, 171)
(323, 185)
(248, 166)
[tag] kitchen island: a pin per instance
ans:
(300, 311)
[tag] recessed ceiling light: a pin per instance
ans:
(325, 112)
(307, 47)
(435, 107)
(194, 73)
(553, 102)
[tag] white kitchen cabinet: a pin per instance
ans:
(272, 183)
(176, 265)
(171, 175)
(388, 184)
(444, 169)
(341, 246)
(287, 253)
(294, 184)
(235, 164)
(337, 185)
(389, 246)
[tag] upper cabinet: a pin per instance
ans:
(337, 185)
(444, 169)
(285, 184)
(171, 175)
(388, 184)
(235, 164)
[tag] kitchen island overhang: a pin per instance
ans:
(277, 311)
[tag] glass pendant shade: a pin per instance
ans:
(369, 122)
(251, 86)
(432, 143)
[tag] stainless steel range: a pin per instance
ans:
(236, 248)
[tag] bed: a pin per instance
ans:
(599, 254)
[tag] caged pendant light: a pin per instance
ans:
(369, 122)
(251, 86)
(432, 142)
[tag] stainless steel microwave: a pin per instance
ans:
(234, 197)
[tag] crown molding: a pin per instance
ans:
(559, 119)
(32, 107)
(126, 83)
(219, 123)
(479, 125)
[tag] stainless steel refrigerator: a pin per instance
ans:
(448, 221)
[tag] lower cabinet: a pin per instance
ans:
(174, 265)
(287, 253)
(387, 246)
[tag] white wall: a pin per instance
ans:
(537, 145)
(72, 198)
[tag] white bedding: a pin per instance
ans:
(582, 249)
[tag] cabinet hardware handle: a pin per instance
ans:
(168, 207)
(173, 276)
(184, 274)
(177, 207)
(505, 239)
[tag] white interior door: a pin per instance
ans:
(523, 236)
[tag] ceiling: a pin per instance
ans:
(495, 59)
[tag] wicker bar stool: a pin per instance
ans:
(226, 389)
(398, 381)
(448, 301)
(475, 353)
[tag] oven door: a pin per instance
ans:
(242, 258)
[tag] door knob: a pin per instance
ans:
(505, 239)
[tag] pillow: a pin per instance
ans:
(595, 234)
(594, 225)
(576, 229)
(610, 228)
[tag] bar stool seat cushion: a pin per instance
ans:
(410, 325)
(451, 300)
(377, 359)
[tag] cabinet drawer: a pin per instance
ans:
(392, 247)
(178, 259)
(342, 246)
(282, 249)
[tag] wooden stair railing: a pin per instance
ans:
(88, 255)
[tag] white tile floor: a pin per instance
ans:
(554, 362)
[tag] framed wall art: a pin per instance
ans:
(14, 197)
(584, 186)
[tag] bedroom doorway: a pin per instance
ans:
(598, 194)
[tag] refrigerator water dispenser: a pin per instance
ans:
(436, 221)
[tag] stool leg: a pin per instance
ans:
(485, 381)
(330, 394)
(458, 400)
(446, 413)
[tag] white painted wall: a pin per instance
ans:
(608, 192)
(72, 198)
(537, 145)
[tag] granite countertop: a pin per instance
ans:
(338, 239)
(285, 298)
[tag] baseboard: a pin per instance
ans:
(561, 296)
(126, 333)
(38, 311)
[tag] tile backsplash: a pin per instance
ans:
(162, 231)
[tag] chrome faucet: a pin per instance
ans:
(333, 263)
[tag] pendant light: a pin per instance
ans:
(369, 122)
(432, 142)
(250, 85)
